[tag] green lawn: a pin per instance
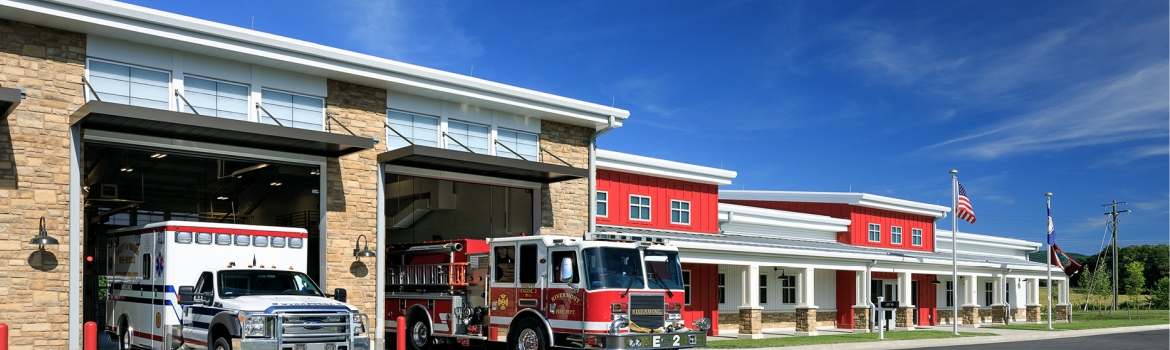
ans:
(833, 339)
(1094, 319)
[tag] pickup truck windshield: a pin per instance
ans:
(613, 268)
(663, 269)
(257, 282)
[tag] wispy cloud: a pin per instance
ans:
(649, 94)
(1134, 153)
(418, 33)
(1125, 107)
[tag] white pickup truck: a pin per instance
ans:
(193, 285)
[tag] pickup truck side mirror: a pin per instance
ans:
(187, 295)
(339, 294)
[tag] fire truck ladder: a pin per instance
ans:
(447, 275)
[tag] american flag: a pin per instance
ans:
(964, 211)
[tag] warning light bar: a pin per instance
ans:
(625, 237)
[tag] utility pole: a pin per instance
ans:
(1113, 219)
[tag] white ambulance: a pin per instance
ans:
(195, 285)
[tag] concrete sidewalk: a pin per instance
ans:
(1002, 335)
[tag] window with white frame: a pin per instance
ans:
(722, 288)
(602, 204)
(680, 212)
(763, 298)
(686, 287)
(419, 129)
(639, 208)
(118, 83)
(473, 136)
(215, 98)
(896, 234)
(916, 236)
(292, 110)
(875, 233)
(526, 144)
(950, 293)
(788, 289)
(988, 289)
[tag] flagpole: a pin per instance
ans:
(1048, 239)
(954, 246)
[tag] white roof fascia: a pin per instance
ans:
(858, 199)
(732, 213)
(738, 256)
(988, 241)
(179, 32)
(629, 163)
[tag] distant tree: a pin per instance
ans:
(1160, 295)
(1096, 285)
(1135, 278)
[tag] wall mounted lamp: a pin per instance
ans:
(363, 253)
(43, 238)
(935, 281)
(782, 275)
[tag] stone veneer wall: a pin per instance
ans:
(730, 321)
(352, 207)
(564, 206)
(34, 181)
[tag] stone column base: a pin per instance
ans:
(1033, 314)
(904, 318)
(751, 322)
(806, 321)
(1060, 312)
(970, 315)
(999, 314)
(861, 315)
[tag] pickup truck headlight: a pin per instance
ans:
(257, 326)
(359, 324)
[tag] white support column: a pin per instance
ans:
(970, 297)
(997, 291)
(751, 286)
(904, 295)
(804, 289)
(1063, 292)
(859, 289)
(1034, 291)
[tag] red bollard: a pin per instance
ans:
(3, 336)
(91, 335)
(400, 335)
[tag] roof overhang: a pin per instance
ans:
(480, 164)
(148, 26)
(635, 164)
(156, 122)
(9, 99)
(850, 198)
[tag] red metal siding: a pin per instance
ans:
(704, 295)
(704, 200)
(927, 300)
(860, 218)
(846, 290)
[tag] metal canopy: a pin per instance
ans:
(9, 99)
(480, 164)
(155, 122)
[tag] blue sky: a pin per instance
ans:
(1022, 97)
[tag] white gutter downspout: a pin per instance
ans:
(593, 172)
(868, 298)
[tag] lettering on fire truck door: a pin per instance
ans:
(501, 296)
(565, 310)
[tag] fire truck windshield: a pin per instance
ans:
(608, 267)
(258, 282)
(663, 269)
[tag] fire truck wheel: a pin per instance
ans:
(123, 337)
(418, 335)
(222, 343)
(530, 336)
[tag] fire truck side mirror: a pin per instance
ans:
(567, 270)
(187, 295)
(339, 294)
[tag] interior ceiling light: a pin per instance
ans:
(275, 183)
(127, 169)
(222, 198)
(315, 172)
(158, 155)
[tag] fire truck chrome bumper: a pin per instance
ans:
(655, 341)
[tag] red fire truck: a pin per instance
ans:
(607, 291)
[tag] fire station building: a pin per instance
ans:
(114, 115)
(803, 260)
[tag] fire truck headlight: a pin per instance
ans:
(702, 324)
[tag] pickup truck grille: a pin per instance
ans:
(304, 327)
(646, 310)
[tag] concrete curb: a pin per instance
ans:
(1014, 335)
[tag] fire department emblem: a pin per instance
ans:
(503, 301)
(158, 265)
